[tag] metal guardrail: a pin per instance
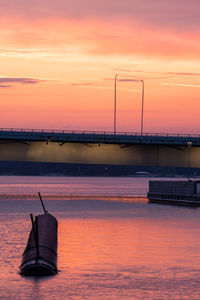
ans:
(88, 132)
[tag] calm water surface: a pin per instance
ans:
(112, 243)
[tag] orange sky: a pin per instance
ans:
(58, 64)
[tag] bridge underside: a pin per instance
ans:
(150, 156)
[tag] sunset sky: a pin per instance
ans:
(59, 58)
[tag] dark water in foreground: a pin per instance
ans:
(112, 243)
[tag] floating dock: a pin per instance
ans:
(175, 192)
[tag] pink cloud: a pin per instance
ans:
(96, 37)
(179, 14)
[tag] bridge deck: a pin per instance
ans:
(122, 138)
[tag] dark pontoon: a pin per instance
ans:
(40, 255)
(178, 192)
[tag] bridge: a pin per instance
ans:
(106, 151)
(106, 137)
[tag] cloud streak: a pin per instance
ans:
(7, 82)
(181, 84)
(183, 74)
(82, 84)
(129, 80)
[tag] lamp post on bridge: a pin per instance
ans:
(189, 154)
(115, 103)
(142, 112)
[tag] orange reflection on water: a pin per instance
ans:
(126, 243)
(133, 251)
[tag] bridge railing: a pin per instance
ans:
(90, 132)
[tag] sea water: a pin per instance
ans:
(112, 244)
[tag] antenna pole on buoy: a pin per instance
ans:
(45, 211)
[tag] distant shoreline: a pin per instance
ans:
(23, 168)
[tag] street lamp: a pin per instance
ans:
(115, 102)
(142, 113)
(189, 150)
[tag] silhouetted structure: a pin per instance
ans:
(40, 255)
